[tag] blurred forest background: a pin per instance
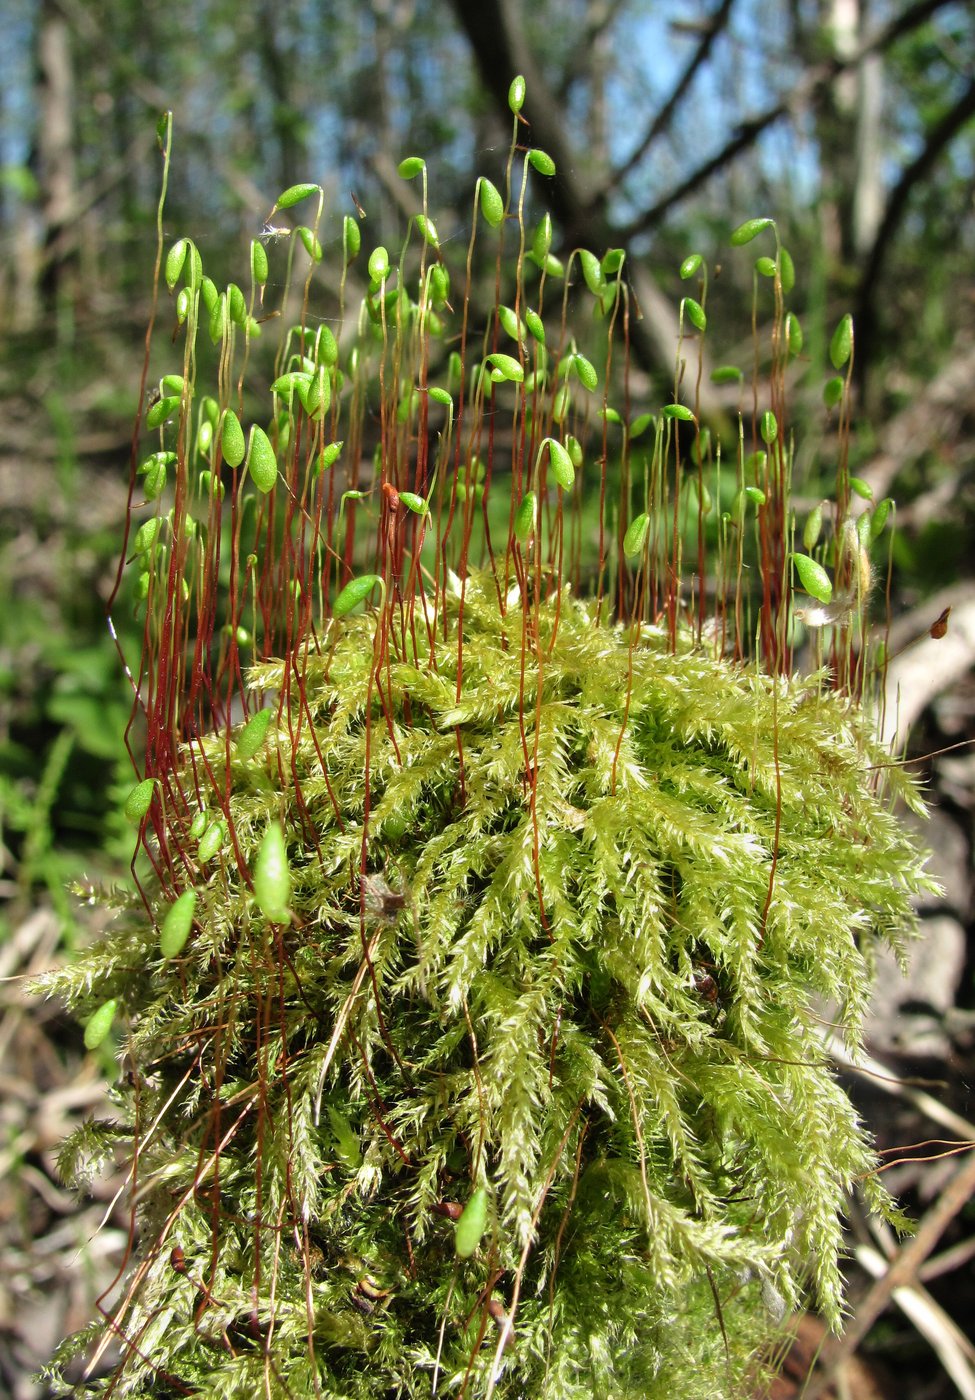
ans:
(852, 122)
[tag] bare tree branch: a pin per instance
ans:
(805, 92)
(593, 31)
(662, 120)
(940, 135)
(501, 52)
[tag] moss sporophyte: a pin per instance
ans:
(489, 879)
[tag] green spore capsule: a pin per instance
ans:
(592, 271)
(139, 801)
(205, 438)
(694, 312)
(561, 464)
(542, 162)
(210, 842)
(506, 367)
(841, 345)
(813, 577)
(294, 194)
(311, 243)
(492, 205)
(726, 374)
(585, 372)
(351, 238)
(236, 304)
(99, 1023)
(413, 502)
(750, 229)
(175, 259)
(879, 518)
(378, 265)
(410, 167)
(679, 411)
(787, 270)
(232, 439)
(516, 94)
(636, 534)
(833, 391)
(145, 536)
(176, 925)
(253, 734)
(812, 528)
(525, 518)
(329, 456)
(354, 592)
(470, 1228)
(259, 267)
(542, 238)
(769, 427)
(272, 876)
(198, 825)
(261, 461)
(690, 265)
(162, 409)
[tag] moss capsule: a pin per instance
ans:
(139, 800)
(272, 876)
(99, 1024)
(176, 925)
(471, 1226)
(253, 734)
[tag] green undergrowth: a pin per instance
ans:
(558, 928)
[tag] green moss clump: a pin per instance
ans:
(574, 959)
